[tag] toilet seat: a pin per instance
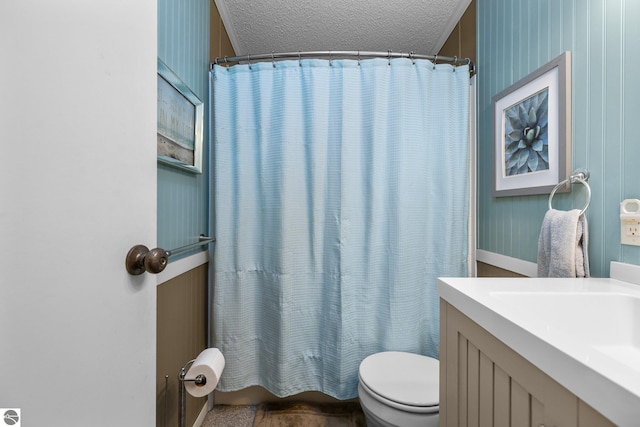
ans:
(405, 381)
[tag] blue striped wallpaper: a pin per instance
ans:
(515, 37)
(183, 197)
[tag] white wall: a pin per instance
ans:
(77, 190)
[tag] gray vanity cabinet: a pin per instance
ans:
(483, 382)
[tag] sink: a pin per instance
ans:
(609, 322)
(583, 333)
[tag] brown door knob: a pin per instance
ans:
(156, 260)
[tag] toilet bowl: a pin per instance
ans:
(399, 389)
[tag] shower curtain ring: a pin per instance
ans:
(435, 59)
(330, 60)
(249, 60)
(412, 57)
(358, 57)
(455, 60)
(299, 59)
(389, 57)
(273, 60)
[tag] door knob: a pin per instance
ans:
(140, 259)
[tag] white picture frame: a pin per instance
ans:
(532, 131)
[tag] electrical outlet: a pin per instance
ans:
(630, 222)
(631, 227)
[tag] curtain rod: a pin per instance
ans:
(337, 54)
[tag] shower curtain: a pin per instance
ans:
(341, 194)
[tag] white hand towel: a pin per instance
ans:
(563, 244)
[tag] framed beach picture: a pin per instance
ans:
(180, 122)
(532, 131)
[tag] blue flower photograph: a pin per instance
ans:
(526, 135)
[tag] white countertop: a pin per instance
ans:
(584, 333)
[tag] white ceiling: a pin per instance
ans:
(265, 26)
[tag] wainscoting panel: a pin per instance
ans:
(181, 336)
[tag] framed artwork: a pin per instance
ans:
(180, 122)
(532, 131)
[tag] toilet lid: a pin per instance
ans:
(405, 378)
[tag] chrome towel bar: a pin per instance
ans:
(140, 259)
(579, 175)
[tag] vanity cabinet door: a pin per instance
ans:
(483, 382)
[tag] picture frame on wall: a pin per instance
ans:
(180, 122)
(532, 131)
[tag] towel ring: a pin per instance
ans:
(579, 175)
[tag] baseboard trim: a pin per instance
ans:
(526, 268)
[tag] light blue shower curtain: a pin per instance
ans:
(341, 194)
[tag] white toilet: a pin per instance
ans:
(399, 389)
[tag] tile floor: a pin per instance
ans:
(243, 416)
(230, 416)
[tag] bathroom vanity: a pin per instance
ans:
(540, 352)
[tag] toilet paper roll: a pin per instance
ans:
(210, 364)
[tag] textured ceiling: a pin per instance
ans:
(265, 26)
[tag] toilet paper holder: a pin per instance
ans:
(182, 393)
